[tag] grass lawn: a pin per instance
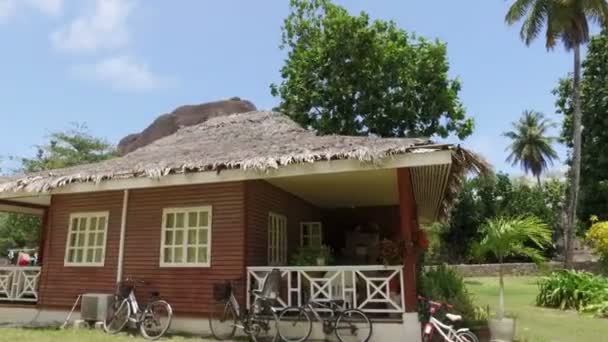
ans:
(71, 335)
(534, 323)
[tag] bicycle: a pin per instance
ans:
(348, 324)
(446, 332)
(153, 319)
(227, 315)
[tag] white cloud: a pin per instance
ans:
(122, 73)
(102, 27)
(8, 8)
(49, 7)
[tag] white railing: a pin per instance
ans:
(373, 289)
(19, 284)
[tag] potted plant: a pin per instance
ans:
(313, 256)
(505, 237)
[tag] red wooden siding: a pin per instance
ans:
(188, 289)
(407, 211)
(262, 198)
(59, 285)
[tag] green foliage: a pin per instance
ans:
(530, 146)
(565, 21)
(443, 284)
(594, 106)
(18, 231)
(64, 149)
(483, 198)
(504, 237)
(308, 256)
(350, 75)
(597, 235)
(70, 148)
(570, 289)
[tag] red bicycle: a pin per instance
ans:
(435, 330)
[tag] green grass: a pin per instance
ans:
(534, 323)
(82, 335)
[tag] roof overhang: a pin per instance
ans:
(351, 182)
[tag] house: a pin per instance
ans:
(232, 198)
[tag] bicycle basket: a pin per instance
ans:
(222, 291)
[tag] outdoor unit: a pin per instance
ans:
(94, 306)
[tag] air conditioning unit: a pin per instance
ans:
(94, 306)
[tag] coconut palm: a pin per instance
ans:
(566, 21)
(531, 147)
(505, 237)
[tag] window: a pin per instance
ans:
(186, 237)
(277, 239)
(311, 234)
(86, 241)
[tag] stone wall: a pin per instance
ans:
(518, 269)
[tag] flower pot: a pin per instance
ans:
(502, 329)
(482, 332)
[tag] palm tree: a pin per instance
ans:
(504, 237)
(530, 146)
(566, 21)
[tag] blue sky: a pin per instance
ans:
(117, 64)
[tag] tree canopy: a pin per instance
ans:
(346, 74)
(72, 147)
(594, 106)
(531, 147)
(65, 148)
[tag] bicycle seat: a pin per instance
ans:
(453, 318)
(154, 294)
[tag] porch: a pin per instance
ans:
(19, 284)
(375, 289)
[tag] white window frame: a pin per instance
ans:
(71, 229)
(209, 227)
(304, 233)
(277, 239)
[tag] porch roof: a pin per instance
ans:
(259, 141)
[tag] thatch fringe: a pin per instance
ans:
(260, 141)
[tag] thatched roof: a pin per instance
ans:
(255, 140)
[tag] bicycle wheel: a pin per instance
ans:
(294, 325)
(353, 325)
(260, 326)
(117, 317)
(156, 320)
(223, 321)
(467, 336)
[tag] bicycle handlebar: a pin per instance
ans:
(435, 304)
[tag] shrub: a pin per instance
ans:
(443, 284)
(569, 289)
(597, 236)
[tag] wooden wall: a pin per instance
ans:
(263, 197)
(59, 286)
(188, 289)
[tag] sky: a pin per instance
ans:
(118, 64)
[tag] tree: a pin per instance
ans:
(530, 146)
(504, 237)
(566, 21)
(346, 74)
(594, 107)
(73, 147)
(17, 231)
(64, 149)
